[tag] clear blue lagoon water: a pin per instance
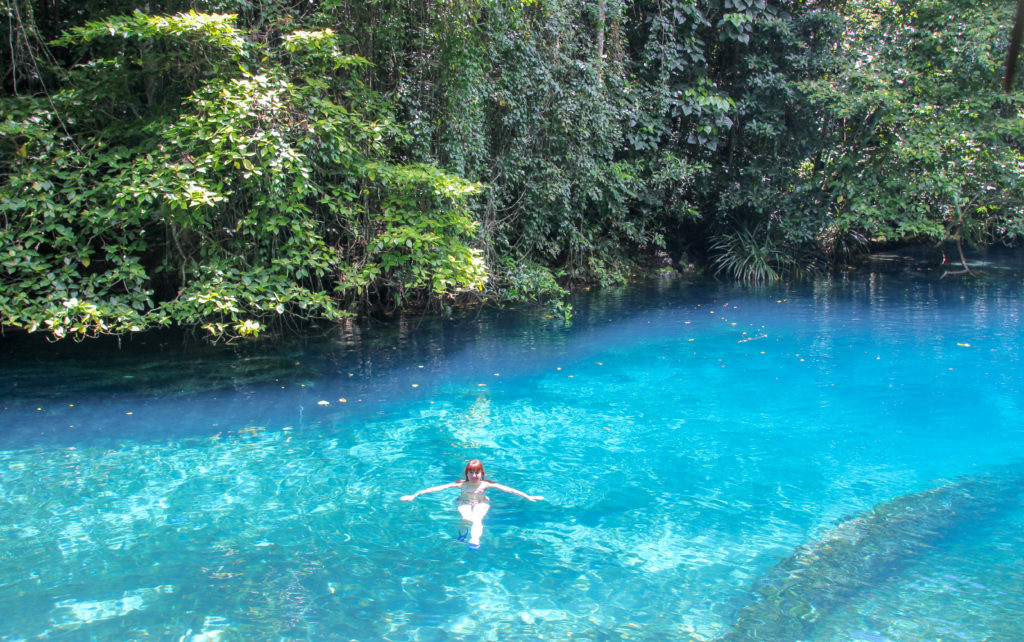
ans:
(687, 436)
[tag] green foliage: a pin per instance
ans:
(268, 193)
(517, 96)
(529, 282)
(191, 30)
(418, 245)
(753, 255)
(139, 66)
(919, 143)
(71, 261)
(263, 164)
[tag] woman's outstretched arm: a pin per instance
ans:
(432, 489)
(509, 489)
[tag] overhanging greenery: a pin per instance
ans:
(236, 168)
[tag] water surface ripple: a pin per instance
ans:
(687, 436)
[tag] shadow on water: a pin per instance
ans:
(161, 361)
(377, 362)
(802, 590)
(172, 363)
(168, 362)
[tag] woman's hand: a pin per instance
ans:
(408, 498)
(534, 498)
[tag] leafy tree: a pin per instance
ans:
(919, 142)
(256, 186)
(237, 166)
(715, 83)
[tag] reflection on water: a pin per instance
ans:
(688, 437)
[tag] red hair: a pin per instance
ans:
(475, 464)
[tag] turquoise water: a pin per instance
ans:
(687, 437)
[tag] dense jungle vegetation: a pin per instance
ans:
(238, 166)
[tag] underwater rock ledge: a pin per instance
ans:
(792, 597)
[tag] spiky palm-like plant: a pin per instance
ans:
(752, 255)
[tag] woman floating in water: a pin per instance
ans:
(472, 503)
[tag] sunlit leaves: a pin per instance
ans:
(922, 136)
(424, 234)
(320, 50)
(211, 28)
(183, 169)
(252, 198)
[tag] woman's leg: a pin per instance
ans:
(474, 514)
(466, 510)
(477, 529)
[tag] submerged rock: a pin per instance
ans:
(786, 603)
